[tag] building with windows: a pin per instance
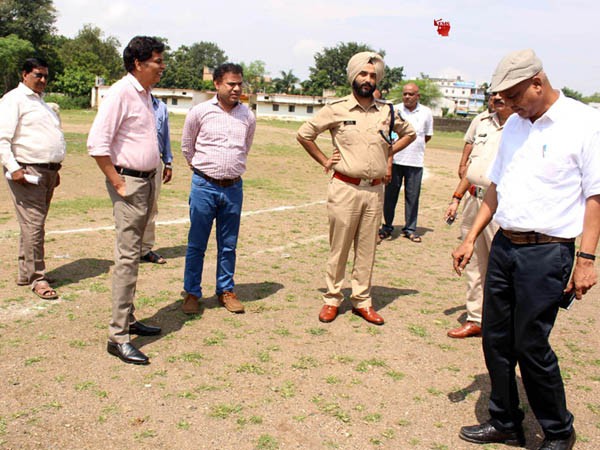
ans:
(460, 97)
(286, 106)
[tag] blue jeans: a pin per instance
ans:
(412, 177)
(207, 203)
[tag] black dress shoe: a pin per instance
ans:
(127, 353)
(559, 444)
(143, 330)
(485, 433)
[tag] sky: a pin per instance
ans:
(286, 34)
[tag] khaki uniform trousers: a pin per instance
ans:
(131, 214)
(149, 238)
(32, 203)
(477, 268)
(354, 216)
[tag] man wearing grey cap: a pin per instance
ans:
(545, 192)
(360, 132)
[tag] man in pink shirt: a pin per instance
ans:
(217, 136)
(123, 141)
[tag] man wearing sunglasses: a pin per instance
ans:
(32, 148)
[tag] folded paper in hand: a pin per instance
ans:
(31, 179)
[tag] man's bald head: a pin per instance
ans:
(410, 96)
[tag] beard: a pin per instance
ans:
(364, 90)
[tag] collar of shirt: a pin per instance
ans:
(408, 111)
(136, 84)
(215, 101)
(28, 91)
(353, 103)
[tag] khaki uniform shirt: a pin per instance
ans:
(355, 133)
(485, 147)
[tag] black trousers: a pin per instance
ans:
(523, 288)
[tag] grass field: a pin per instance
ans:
(274, 377)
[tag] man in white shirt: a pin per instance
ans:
(32, 148)
(408, 166)
(544, 192)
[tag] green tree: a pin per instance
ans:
(429, 92)
(75, 82)
(13, 51)
(185, 66)
(89, 51)
(31, 20)
(393, 77)
(254, 76)
(329, 71)
(572, 93)
(287, 83)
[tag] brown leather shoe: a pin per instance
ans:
(328, 313)
(369, 314)
(190, 304)
(230, 301)
(468, 329)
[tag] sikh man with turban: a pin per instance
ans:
(360, 129)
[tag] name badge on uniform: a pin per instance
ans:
(349, 122)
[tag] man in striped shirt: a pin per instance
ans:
(217, 137)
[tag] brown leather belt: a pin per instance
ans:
(531, 237)
(356, 181)
(49, 166)
(220, 183)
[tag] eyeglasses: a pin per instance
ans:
(39, 75)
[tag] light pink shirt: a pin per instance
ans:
(217, 142)
(125, 128)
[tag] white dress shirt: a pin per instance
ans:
(29, 130)
(545, 170)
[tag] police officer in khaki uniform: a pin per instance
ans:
(486, 139)
(360, 127)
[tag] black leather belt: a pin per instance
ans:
(531, 237)
(134, 173)
(220, 183)
(49, 166)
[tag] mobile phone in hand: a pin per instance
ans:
(567, 300)
(450, 220)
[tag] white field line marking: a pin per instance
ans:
(186, 219)
(322, 237)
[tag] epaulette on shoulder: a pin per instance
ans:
(336, 101)
(382, 101)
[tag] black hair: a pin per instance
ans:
(140, 48)
(33, 63)
(227, 68)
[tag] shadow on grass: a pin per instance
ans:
(481, 383)
(81, 269)
(382, 296)
(170, 318)
(398, 233)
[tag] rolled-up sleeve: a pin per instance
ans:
(105, 126)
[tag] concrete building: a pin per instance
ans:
(466, 97)
(286, 106)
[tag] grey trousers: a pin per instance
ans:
(131, 214)
(32, 203)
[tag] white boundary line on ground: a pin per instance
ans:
(186, 220)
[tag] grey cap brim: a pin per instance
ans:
(514, 68)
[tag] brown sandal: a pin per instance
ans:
(44, 291)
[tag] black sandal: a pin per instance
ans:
(153, 257)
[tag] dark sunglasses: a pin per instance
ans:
(39, 75)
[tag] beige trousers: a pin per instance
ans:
(477, 268)
(149, 238)
(354, 216)
(32, 203)
(131, 214)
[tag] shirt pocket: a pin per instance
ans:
(348, 132)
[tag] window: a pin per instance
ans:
(275, 107)
(291, 108)
(309, 109)
(174, 102)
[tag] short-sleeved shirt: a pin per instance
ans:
(545, 170)
(421, 119)
(355, 133)
(485, 147)
(470, 134)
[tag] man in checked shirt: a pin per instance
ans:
(217, 136)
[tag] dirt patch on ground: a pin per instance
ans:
(274, 377)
